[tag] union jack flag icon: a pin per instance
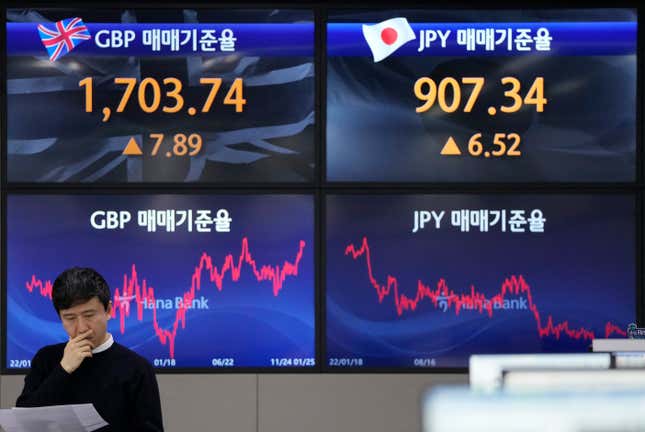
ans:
(68, 34)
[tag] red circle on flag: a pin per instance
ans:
(389, 35)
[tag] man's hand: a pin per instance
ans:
(77, 350)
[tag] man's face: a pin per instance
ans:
(82, 317)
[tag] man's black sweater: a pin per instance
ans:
(118, 382)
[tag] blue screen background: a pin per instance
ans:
(244, 322)
(580, 270)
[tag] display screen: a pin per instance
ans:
(581, 380)
(444, 410)
(160, 95)
(197, 281)
(427, 280)
(481, 96)
(486, 372)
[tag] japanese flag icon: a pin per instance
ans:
(387, 36)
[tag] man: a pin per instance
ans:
(91, 367)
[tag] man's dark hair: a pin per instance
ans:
(79, 285)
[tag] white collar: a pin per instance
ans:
(105, 345)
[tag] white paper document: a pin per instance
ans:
(59, 418)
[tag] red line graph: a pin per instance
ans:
(514, 285)
(141, 293)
